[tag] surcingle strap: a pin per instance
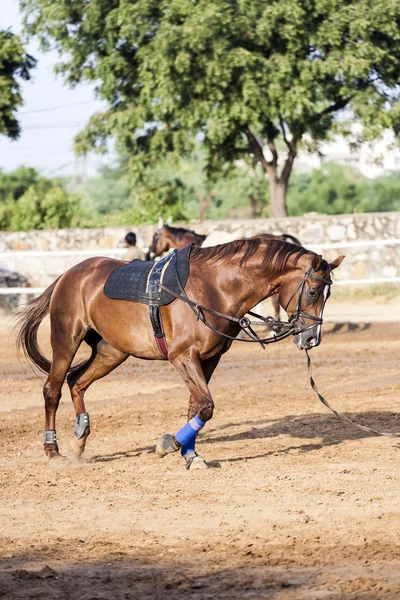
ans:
(158, 330)
(153, 288)
(162, 346)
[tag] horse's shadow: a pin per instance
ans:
(346, 327)
(325, 429)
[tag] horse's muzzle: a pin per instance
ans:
(310, 338)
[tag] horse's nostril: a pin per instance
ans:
(310, 341)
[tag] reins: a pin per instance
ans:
(338, 414)
(243, 322)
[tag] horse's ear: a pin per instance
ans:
(336, 263)
(316, 262)
(160, 224)
(169, 221)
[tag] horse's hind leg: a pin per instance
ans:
(64, 349)
(104, 359)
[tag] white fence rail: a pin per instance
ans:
(111, 252)
(4, 291)
(86, 253)
(355, 244)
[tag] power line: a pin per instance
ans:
(54, 126)
(45, 126)
(40, 110)
(60, 168)
(24, 148)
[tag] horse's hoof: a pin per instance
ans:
(194, 461)
(74, 457)
(166, 445)
(75, 450)
(51, 451)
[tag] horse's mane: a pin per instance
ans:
(276, 253)
(179, 232)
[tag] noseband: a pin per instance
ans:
(245, 323)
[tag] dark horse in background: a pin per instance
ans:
(166, 238)
(230, 278)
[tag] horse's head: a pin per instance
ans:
(159, 243)
(303, 294)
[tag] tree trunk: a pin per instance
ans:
(204, 204)
(277, 194)
(278, 185)
(254, 206)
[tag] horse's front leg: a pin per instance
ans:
(277, 316)
(196, 376)
(209, 365)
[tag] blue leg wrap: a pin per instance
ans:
(187, 435)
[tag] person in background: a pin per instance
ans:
(132, 250)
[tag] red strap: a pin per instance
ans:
(162, 346)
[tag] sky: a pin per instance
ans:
(51, 116)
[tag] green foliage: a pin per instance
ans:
(15, 64)
(29, 201)
(176, 188)
(15, 184)
(241, 72)
(107, 192)
(339, 190)
(380, 195)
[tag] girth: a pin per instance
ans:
(153, 290)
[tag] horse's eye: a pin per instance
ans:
(312, 293)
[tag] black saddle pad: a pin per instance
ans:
(132, 281)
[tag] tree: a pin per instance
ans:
(252, 77)
(30, 201)
(15, 64)
(15, 184)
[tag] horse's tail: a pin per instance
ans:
(27, 324)
(290, 238)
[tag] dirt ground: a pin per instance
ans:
(295, 504)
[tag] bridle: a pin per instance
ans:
(300, 288)
(245, 323)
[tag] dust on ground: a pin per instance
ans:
(295, 503)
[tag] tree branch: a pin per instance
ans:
(339, 104)
(287, 142)
(256, 149)
(272, 147)
(287, 167)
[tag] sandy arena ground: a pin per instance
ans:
(295, 504)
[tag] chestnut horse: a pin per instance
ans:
(230, 278)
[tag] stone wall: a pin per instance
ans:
(29, 252)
